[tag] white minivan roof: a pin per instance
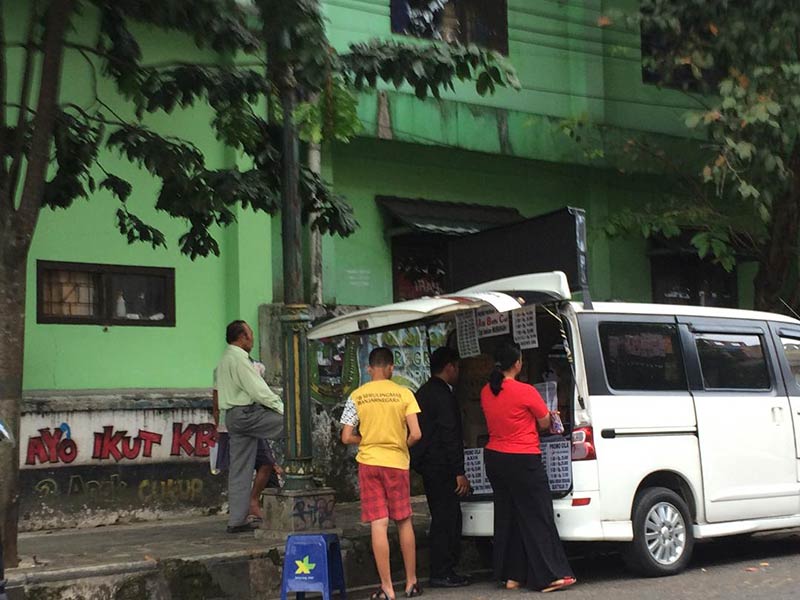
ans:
(683, 310)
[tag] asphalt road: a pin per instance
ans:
(763, 567)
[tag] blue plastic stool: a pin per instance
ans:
(313, 563)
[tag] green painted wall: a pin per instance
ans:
(505, 150)
(569, 67)
(209, 292)
(367, 168)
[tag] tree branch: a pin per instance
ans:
(96, 118)
(93, 73)
(165, 64)
(10, 185)
(58, 17)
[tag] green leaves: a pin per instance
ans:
(120, 188)
(235, 82)
(77, 143)
(326, 211)
(427, 68)
(136, 230)
(333, 116)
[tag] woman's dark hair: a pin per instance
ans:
(505, 357)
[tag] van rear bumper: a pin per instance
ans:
(575, 523)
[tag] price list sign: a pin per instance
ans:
(467, 333)
(475, 470)
(557, 458)
(525, 332)
(490, 322)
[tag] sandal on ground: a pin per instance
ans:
(414, 591)
(510, 584)
(560, 584)
(379, 594)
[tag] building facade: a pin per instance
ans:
(121, 339)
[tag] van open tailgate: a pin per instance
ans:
(502, 294)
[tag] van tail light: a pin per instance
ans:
(583, 444)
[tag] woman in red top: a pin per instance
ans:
(527, 549)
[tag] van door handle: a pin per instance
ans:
(777, 415)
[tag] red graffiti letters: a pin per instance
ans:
(61, 444)
(119, 445)
(149, 438)
(51, 447)
(182, 442)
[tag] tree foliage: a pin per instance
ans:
(51, 146)
(740, 195)
(292, 35)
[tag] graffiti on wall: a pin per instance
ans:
(339, 366)
(102, 437)
(313, 513)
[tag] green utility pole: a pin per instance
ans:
(294, 323)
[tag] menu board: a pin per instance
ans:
(525, 332)
(475, 471)
(467, 334)
(490, 322)
(556, 457)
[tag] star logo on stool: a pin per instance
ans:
(304, 567)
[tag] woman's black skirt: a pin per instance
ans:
(527, 548)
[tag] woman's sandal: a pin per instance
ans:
(379, 594)
(560, 584)
(510, 584)
(414, 591)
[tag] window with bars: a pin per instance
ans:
(87, 293)
(480, 22)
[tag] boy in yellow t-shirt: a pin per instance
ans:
(386, 416)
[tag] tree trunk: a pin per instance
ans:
(17, 228)
(777, 283)
(12, 344)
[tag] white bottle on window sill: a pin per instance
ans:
(121, 309)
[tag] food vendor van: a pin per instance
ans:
(680, 422)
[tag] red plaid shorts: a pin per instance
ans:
(385, 492)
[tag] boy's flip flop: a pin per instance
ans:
(379, 594)
(560, 584)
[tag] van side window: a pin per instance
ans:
(642, 356)
(732, 361)
(791, 347)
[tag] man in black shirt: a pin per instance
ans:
(439, 458)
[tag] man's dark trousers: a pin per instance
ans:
(445, 509)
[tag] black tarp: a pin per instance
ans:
(554, 241)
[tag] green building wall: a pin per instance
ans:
(208, 292)
(505, 149)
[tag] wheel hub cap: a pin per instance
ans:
(665, 533)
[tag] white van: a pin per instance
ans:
(683, 420)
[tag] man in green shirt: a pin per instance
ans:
(252, 412)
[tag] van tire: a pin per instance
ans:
(672, 543)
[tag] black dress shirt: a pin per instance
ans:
(442, 443)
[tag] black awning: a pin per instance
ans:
(446, 218)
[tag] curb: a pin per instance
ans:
(56, 575)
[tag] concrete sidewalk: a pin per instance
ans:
(186, 559)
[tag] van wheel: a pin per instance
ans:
(662, 534)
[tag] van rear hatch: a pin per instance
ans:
(503, 295)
